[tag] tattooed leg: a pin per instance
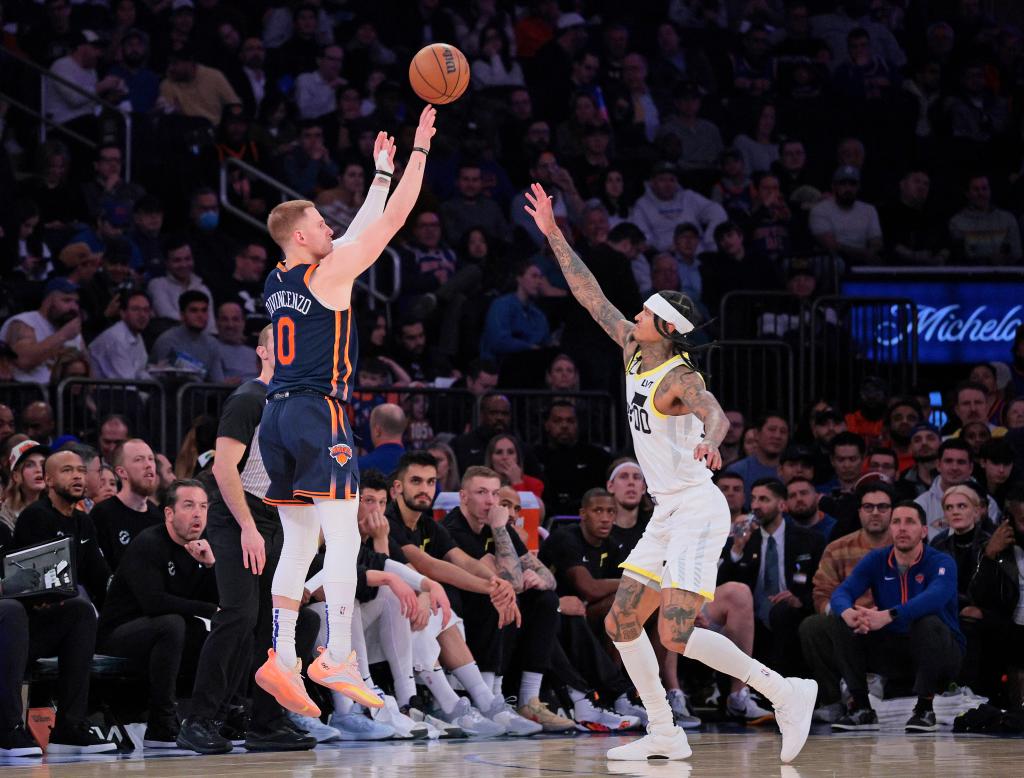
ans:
(634, 603)
(679, 610)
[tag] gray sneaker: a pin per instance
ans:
(680, 710)
(471, 721)
(503, 714)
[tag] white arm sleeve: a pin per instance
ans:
(406, 573)
(372, 207)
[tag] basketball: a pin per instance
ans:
(439, 73)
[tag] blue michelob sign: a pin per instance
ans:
(960, 318)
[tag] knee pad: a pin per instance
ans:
(301, 531)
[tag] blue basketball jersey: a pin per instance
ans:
(315, 347)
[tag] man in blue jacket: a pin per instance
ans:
(912, 631)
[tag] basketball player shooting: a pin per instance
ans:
(677, 427)
(305, 439)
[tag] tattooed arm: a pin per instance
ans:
(506, 559)
(581, 281)
(683, 391)
(530, 563)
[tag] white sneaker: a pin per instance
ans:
(504, 715)
(314, 727)
(741, 704)
(472, 721)
(624, 707)
(445, 730)
(405, 728)
(681, 711)
(356, 726)
(653, 747)
(591, 718)
(793, 715)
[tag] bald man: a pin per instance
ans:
(54, 516)
(387, 425)
(37, 422)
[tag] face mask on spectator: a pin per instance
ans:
(208, 220)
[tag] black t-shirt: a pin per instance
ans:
(628, 537)
(427, 535)
(567, 548)
(475, 544)
(156, 577)
(568, 472)
(240, 420)
(117, 525)
(41, 522)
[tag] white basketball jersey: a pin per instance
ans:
(663, 444)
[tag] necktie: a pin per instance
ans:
(771, 579)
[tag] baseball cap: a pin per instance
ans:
(85, 36)
(116, 214)
(846, 173)
(23, 449)
(60, 284)
(565, 21)
(797, 453)
(178, 5)
(829, 414)
(664, 166)
(924, 427)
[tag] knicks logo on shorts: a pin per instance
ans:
(341, 453)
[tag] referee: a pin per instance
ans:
(246, 537)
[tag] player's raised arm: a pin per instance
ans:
(581, 281)
(377, 194)
(348, 260)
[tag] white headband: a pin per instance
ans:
(622, 466)
(663, 308)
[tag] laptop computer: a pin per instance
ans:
(55, 564)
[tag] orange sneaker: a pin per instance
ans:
(286, 687)
(343, 677)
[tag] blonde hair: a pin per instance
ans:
(266, 337)
(966, 491)
(282, 220)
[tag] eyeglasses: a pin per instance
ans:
(870, 507)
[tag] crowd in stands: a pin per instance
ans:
(702, 147)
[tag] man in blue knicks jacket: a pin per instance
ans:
(913, 631)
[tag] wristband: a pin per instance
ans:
(420, 148)
(383, 173)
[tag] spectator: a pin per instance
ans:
(494, 66)
(777, 567)
(924, 448)
(146, 237)
(685, 247)
(504, 455)
(730, 448)
(49, 36)
(427, 262)
(166, 291)
(633, 508)
(514, 322)
(237, 361)
(971, 405)
(196, 90)
(26, 484)
(914, 231)
(977, 116)
(845, 225)
(471, 208)
(250, 79)
(903, 415)
(983, 234)
(37, 422)
(997, 461)
(107, 183)
(985, 374)
(759, 147)
(387, 425)
(111, 222)
(140, 81)
(733, 268)
(568, 465)
(121, 518)
(113, 433)
(447, 466)
(700, 139)
(772, 439)
(864, 77)
(557, 181)
(955, 467)
(6, 422)
(163, 582)
(119, 351)
(733, 190)
(868, 419)
(791, 168)
(418, 359)
(846, 456)
(65, 105)
(913, 631)
(36, 337)
(315, 92)
(309, 163)
(245, 286)
(753, 68)
(802, 507)
(964, 539)
(495, 416)
(665, 204)
(883, 461)
(340, 204)
(770, 223)
(188, 346)
(564, 65)
(796, 462)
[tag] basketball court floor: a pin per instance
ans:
(718, 753)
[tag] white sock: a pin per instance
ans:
(721, 654)
(641, 664)
(498, 686)
(284, 636)
(529, 686)
(437, 682)
(473, 682)
(342, 704)
(488, 677)
(575, 694)
(341, 538)
(340, 602)
(405, 688)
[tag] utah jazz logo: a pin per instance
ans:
(341, 453)
(638, 415)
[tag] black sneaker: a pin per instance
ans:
(858, 719)
(162, 733)
(922, 721)
(234, 727)
(201, 735)
(77, 738)
(280, 735)
(18, 742)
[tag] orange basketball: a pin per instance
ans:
(439, 73)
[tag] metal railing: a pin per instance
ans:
(370, 285)
(46, 122)
(16, 394)
(194, 400)
(82, 403)
(753, 375)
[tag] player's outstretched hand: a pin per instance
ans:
(439, 600)
(425, 131)
(539, 207)
(384, 152)
(710, 454)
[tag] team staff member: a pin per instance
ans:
(163, 581)
(245, 534)
(120, 518)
